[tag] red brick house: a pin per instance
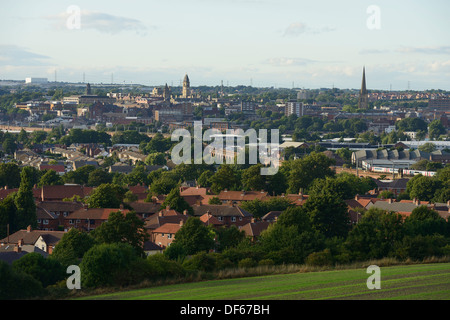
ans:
(89, 218)
(236, 197)
(52, 214)
(254, 229)
(164, 235)
(227, 214)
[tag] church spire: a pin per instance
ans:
(363, 102)
(363, 84)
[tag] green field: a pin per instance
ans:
(407, 282)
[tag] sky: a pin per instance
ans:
(403, 44)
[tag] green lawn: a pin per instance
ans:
(417, 282)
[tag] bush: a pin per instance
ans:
(421, 247)
(107, 265)
(201, 262)
(320, 259)
(247, 263)
(48, 271)
(17, 284)
(161, 267)
(266, 262)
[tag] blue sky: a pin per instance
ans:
(280, 43)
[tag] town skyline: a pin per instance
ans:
(253, 43)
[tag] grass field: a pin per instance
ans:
(406, 282)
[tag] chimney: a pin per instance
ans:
(185, 212)
(20, 243)
(390, 200)
(181, 223)
(161, 213)
(17, 249)
(357, 197)
(253, 220)
(29, 229)
(167, 207)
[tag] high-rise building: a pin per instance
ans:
(363, 101)
(293, 107)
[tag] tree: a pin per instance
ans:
(72, 246)
(9, 175)
(17, 284)
(24, 201)
(46, 270)
(50, 178)
(375, 235)
(436, 129)
(194, 236)
(157, 158)
(291, 239)
(98, 177)
(258, 208)
(424, 188)
(9, 145)
(79, 176)
(214, 200)
(328, 213)
(252, 178)
(228, 237)
(176, 202)
(305, 170)
(122, 228)
(225, 178)
(107, 264)
(425, 221)
(106, 195)
(428, 147)
(205, 179)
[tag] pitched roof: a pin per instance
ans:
(272, 215)
(145, 207)
(65, 191)
(59, 206)
(194, 191)
(54, 167)
(156, 220)
(209, 219)
(220, 210)
(31, 236)
(151, 246)
(241, 195)
(254, 229)
(394, 184)
(168, 228)
(95, 213)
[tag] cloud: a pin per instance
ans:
(425, 50)
(288, 62)
(101, 22)
(373, 51)
(13, 55)
(298, 28)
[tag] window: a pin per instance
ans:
(240, 218)
(220, 218)
(70, 221)
(45, 221)
(38, 220)
(65, 214)
(78, 220)
(169, 236)
(233, 219)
